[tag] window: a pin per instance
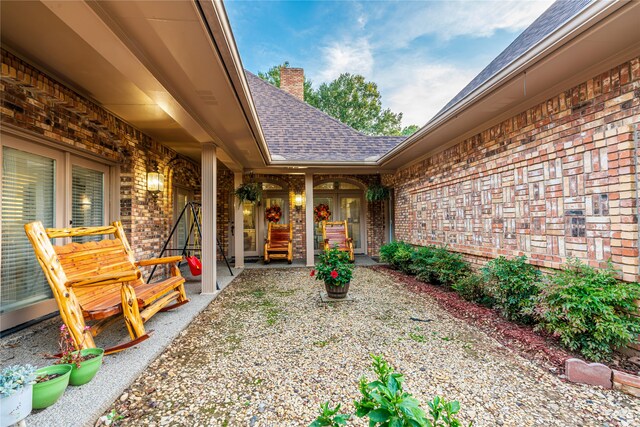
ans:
(28, 194)
(39, 183)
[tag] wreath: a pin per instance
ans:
(322, 212)
(273, 213)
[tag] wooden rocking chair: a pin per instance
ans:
(278, 244)
(100, 281)
(337, 233)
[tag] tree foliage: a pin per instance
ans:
(352, 100)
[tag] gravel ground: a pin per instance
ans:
(267, 352)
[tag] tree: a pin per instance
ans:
(352, 100)
(273, 76)
(409, 130)
(356, 102)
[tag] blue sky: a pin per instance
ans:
(420, 53)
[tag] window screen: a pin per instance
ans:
(87, 200)
(28, 194)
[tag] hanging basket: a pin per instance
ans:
(251, 192)
(377, 192)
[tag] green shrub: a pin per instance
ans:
(439, 266)
(472, 288)
(514, 284)
(398, 254)
(590, 310)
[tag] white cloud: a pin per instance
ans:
(347, 56)
(447, 20)
(420, 89)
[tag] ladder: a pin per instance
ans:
(194, 208)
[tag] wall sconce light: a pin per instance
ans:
(297, 201)
(155, 180)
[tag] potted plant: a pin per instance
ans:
(84, 363)
(335, 270)
(51, 382)
(251, 192)
(377, 192)
(16, 387)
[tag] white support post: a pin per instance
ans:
(238, 224)
(209, 228)
(308, 194)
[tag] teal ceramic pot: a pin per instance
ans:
(88, 369)
(47, 393)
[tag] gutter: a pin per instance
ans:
(586, 18)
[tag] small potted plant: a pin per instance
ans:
(84, 363)
(16, 387)
(51, 382)
(251, 192)
(377, 192)
(335, 269)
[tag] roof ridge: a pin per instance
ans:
(306, 104)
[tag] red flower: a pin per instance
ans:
(334, 274)
(313, 273)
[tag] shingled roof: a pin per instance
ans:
(556, 15)
(296, 131)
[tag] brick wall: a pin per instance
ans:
(33, 101)
(292, 81)
(555, 181)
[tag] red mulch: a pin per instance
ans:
(531, 345)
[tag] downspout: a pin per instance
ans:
(636, 152)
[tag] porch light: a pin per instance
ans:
(155, 182)
(297, 201)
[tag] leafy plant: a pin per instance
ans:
(399, 254)
(251, 192)
(514, 284)
(330, 417)
(334, 267)
(438, 265)
(590, 309)
(68, 353)
(111, 418)
(377, 192)
(15, 377)
(386, 404)
(472, 288)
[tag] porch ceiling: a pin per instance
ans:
(154, 64)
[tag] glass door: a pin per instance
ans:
(88, 198)
(272, 199)
(351, 210)
(180, 200)
(250, 228)
(328, 200)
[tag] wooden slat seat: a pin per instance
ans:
(278, 244)
(100, 281)
(336, 234)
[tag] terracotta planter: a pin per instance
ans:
(337, 292)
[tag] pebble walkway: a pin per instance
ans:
(267, 352)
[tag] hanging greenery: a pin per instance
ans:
(251, 192)
(377, 192)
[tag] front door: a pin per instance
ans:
(343, 206)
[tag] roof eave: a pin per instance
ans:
(591, 14)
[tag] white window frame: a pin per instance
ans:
(64, 159)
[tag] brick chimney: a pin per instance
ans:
(292, 81)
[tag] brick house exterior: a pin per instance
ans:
(555, 181)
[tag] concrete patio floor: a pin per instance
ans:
(81, 406)
(267, 352)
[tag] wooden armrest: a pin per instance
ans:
(349, 239)
(326, 241)
(105, 279)
(156, 261)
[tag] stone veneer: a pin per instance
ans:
(552, 182)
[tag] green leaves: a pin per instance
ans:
(330, 417)
(590, 309)
(334, 267)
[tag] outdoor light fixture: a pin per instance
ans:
(297, 201)
(155, 180)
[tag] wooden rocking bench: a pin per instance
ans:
(278, 244)
(337, 233)
(99, 281)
